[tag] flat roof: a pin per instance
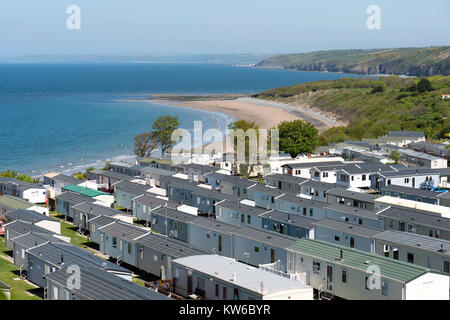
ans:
(67, 179)
(314, 164)
(357, 259)
(166, 245)
(353, 211)
(154, 201)
(261, 187)
(360, 196)
(112, 174)
(404, 134)
(174, 214)
(245, 276)
(443, 211)
(101, 221)
(96, 209)
(410, 191)
(287, 218)
(265, 236)
(26, 215)
(213, 225)
(132, 188)
(99, 284)
(32, 239)
(52, 252)
(92, 193)
(292, 198)
(14, 203)
(415, 216)
(417, 241)
(238, 181)
(346, 227)
(23, 227)
(125, 231)
(286, 178)
(74, 198)
(255, 211)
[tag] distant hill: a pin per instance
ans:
(371, 107)
(235, 59)
(404, 61)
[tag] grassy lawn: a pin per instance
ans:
(9, 274)
(69, 230)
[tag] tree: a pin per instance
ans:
(163, 127)
(395, 155)
(379, 88)
(245, 127)
(144, 144)
(83, 176)
(424, 85)
(297, 137)
(19, 176)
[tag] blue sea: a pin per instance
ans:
(66, 117)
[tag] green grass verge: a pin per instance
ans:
(9, 274)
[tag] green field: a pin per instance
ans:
(9, 274)
(402, 61)
(396, 104)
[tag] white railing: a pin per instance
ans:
(277, 268)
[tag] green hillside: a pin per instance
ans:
(403, 61)
(372, 107)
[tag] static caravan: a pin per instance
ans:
(345, 234)
(258, 246)
(285, 223)
(352, 215)
(212, 236)
(300, 206)
(95, 224)
(156, 252)
(415, 221)
(39, 220)
(32, 192)
(353, 199)
(264, 196)
(10, 203)
(49, 257)
(18, 228)
(22, 243)
(125, 192)
(285, 182)
(420, 195)
(334, 270)
(239, 214)
(235, 186)
(97, 285)
(65, 201)
(171, 222)
(84, 212)
(118, 240)
(143, 206)
(316, 190)
(409, 247)
(215, 277)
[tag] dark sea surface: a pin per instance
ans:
(66, 117)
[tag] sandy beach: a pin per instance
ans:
(266, 114)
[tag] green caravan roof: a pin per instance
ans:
(15, 203)
(389, 268)
(85, 191)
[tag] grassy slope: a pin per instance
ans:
(412, 61)
(372, 114)
(20, 289)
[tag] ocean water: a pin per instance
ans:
(66, 117)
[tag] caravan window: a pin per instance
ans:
(316, 267)
(385, 288)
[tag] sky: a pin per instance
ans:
(169, 27)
